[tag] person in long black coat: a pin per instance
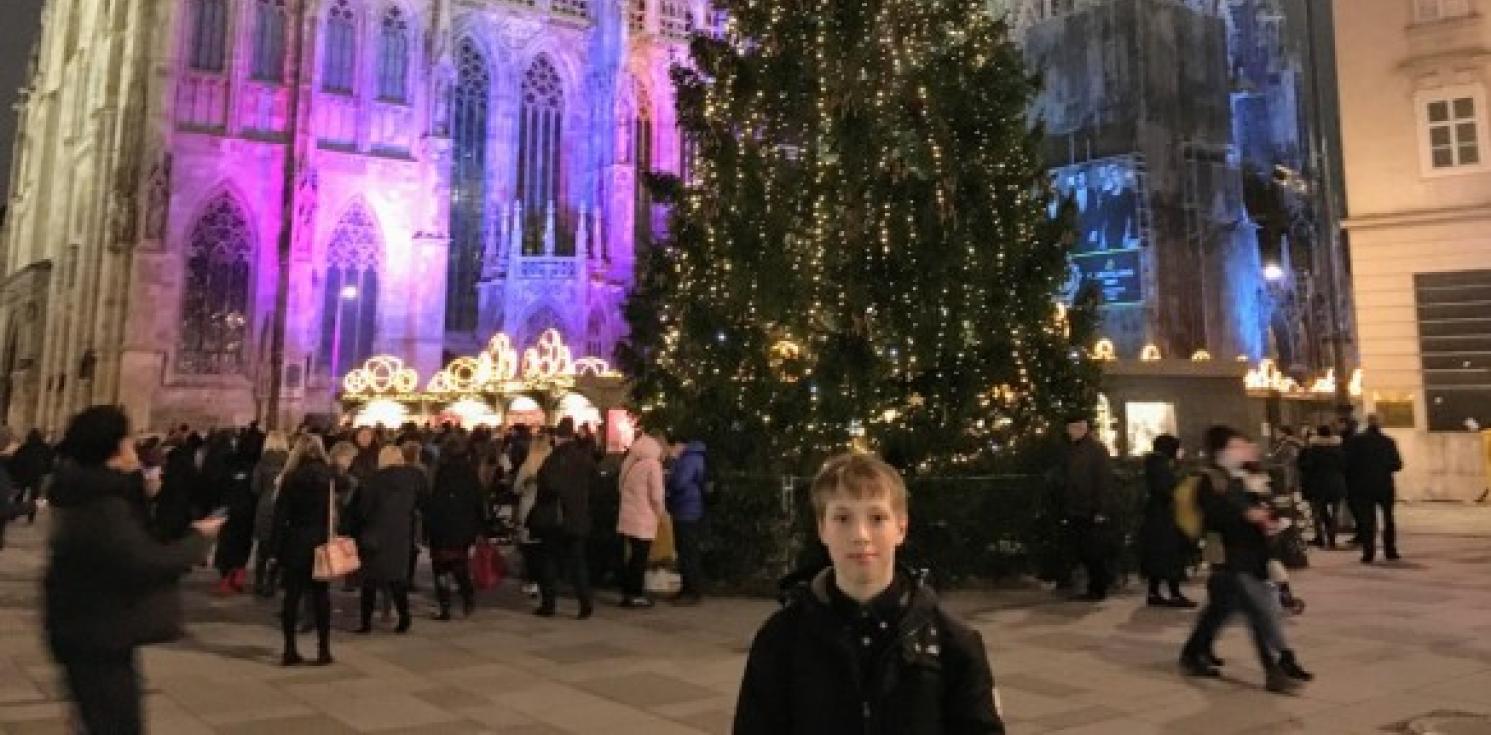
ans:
(31, 465)
(454, 517)
(1322, 479)
(302, 513)
(110, 587)
(237, 539)
(179, 479)
(388, 504)
(1164, 549)
(1372, 459)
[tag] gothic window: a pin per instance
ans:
(209, 34)
(638, 16)
(393, 57)
(468, 186)
(269, 40)
(675, 20)
(539, 321)
(349, 314)
(215, 303)
(595, 333)
(337, 70)
(642, 160)
(539, 134)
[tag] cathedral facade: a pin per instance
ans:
(402, 177)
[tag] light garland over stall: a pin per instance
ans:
(497, 387)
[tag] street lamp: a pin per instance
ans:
(1273, 273)
(348, 293)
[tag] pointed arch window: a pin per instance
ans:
(468, 185)
(393, 57)
(209, 35)
(541, 320)
(642, 158)
(340, 59)
(269, 40)
(539, 134)
(215, 299)
(349, 314)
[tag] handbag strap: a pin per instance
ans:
(331, 510)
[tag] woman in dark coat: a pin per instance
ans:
(264, 484)
(453, 519)
(388, 503)
(301, 515)
(110, 586)
(237, 539)
(1322, 475)
(1164, 549)
(179, 479)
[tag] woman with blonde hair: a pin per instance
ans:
(301, 516)
(387, 505)
(525, 485)
(265, 486)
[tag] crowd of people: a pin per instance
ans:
(1235, 512)
(134, 514)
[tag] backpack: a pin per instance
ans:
(1188, 517)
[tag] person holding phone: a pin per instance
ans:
(110, 586)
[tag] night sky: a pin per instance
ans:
(20, 26)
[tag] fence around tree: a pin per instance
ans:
(966, 529)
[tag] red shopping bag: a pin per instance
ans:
(486, 566)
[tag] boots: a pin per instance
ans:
(1289, 665)
(1275, 680)
(442, 595)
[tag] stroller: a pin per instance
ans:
(1287, 548)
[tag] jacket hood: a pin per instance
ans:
(75, 486)
(815, 591)
(1325, 441)
(646, 447)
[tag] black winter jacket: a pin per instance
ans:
(1371, 460)
(804, 675)
(1225, 512)
(455, 511)
(566, 478)
(1087, 479)
(109, 585)
(1322, 470)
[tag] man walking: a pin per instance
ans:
(1371, 460)
(1087, 491)
(561, 517)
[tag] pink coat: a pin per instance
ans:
(642, 490)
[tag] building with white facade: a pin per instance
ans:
(427, 172)
(1413, 91)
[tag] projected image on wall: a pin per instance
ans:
(1107, 194)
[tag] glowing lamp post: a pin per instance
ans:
(1273, 273)
(348, 293)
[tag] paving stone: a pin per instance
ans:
(1394, 648)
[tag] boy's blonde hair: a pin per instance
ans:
(859, 476)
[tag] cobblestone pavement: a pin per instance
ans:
(1401, 648)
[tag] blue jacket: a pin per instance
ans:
(686, 484)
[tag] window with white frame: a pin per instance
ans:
(1452, 129)
(1430, 11)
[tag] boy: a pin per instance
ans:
(865, 647)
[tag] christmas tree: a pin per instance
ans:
(862, 253)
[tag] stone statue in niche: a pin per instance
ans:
(158, 199)
(307, 188)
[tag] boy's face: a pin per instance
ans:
(862, 536)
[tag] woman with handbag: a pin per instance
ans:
(110, 586)
(303, 523)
